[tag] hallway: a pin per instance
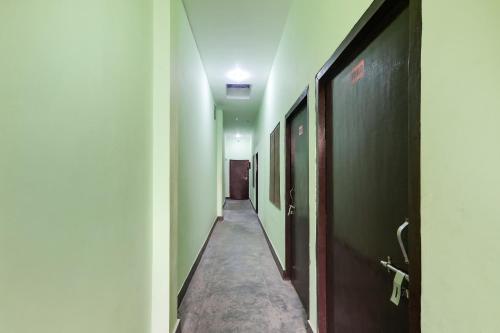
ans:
(237, 287)
(336, 161)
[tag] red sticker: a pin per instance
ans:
(358, 72)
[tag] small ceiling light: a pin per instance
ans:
(238, 75)
(238, 135)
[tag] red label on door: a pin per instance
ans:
(358, 72)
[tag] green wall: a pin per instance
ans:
(460, 166)
(301, 53)
(163, 260)
(75, 166)
(196, 145)
(220, 161)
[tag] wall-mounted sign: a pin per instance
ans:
(358, 72)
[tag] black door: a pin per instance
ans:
(298, 199)
(369, 187)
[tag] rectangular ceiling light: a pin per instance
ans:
(238, 91)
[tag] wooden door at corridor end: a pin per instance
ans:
(368, 177)
(238, 179)
(297, 199)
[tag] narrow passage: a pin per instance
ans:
(237, 286)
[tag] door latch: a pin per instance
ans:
(398, 289)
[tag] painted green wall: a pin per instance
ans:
(460, 166)
(75, 166)
(220, 161)
(162, 294)
(301, 53)
(196, 145)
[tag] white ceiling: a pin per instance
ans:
(243, 33)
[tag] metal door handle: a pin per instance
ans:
(400, 240)
(291, 207)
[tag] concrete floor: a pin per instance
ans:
(237, 286)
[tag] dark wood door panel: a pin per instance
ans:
(298, 193)
(369, 184)
(238, 179)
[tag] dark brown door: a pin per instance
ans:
(298, 203)
(369, 186)
(238, 179)
(256, 166)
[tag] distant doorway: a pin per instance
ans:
(297, 199)
(238, 179)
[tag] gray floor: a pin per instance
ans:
(237, 286)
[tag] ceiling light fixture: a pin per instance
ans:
(238, 75)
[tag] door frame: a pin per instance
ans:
(256, 168)
(297, 106)
(378, 15)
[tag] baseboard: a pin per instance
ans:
(185, 285)
(177, 327)
(275, 256)
(308, 327)
(251, 202)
